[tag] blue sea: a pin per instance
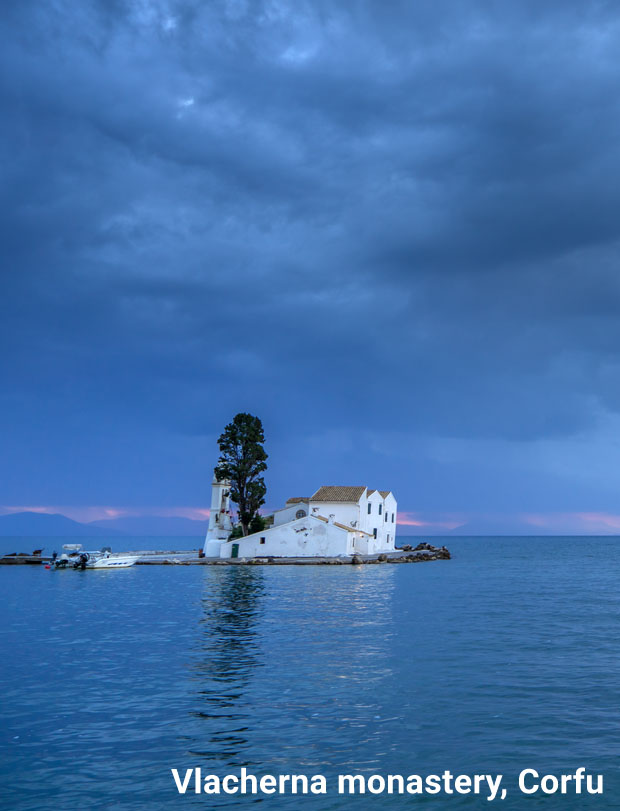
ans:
(504, 658)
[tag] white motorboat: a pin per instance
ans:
(75, 557)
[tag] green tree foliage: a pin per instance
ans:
(242, 461)
(236, 533)
(257, 524)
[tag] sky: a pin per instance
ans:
(389, 230)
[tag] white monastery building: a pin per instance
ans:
(220, 518)
(334, 522)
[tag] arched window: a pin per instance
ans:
(300, 514)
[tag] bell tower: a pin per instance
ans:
(220, 523)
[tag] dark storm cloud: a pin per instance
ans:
(347, 218)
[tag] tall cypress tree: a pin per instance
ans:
(242, 461)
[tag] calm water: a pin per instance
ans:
(504, 658)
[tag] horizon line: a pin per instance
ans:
(587, 523)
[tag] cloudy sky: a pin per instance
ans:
(390, 230)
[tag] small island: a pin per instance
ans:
(348, 524)
(338, 524)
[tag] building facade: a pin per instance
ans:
(220, 518)
(334, 522)
(371, 511)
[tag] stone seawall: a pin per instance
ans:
(406, 554)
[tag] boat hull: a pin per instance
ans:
(76, 558)
(120, 562)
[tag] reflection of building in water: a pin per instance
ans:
(227, 657)
(331, 629)
(345, 617)
(294, 667)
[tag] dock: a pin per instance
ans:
(406, 554)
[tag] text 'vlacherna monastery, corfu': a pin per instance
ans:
(334, 522)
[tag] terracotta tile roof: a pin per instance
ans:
(338, 494)
(385, 493)
(370, 492)
(297, 499)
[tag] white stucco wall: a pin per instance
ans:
(220, 524)
(309, 536)
(304, 537)
(390, 523)
(343, 512)
(289, 513)
(379, 518)
(371, 521)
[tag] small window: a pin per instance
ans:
(374, 532)
(392, 517)
(380, 508)
(386, 516)
(262, 540)
(369, 509)
(300, 514)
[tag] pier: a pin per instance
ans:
(421, 553)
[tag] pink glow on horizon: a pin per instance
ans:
(112, 513)
(559, 523)
(606, 519)
(89, 513)
(6, 510)
(536, 520)
(584, 521)
(411, 519)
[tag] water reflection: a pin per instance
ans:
(330, 631)
(226, 657)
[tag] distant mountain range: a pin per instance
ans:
(44, 524)
(509, 527)
(152, 525)
(33, 524)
